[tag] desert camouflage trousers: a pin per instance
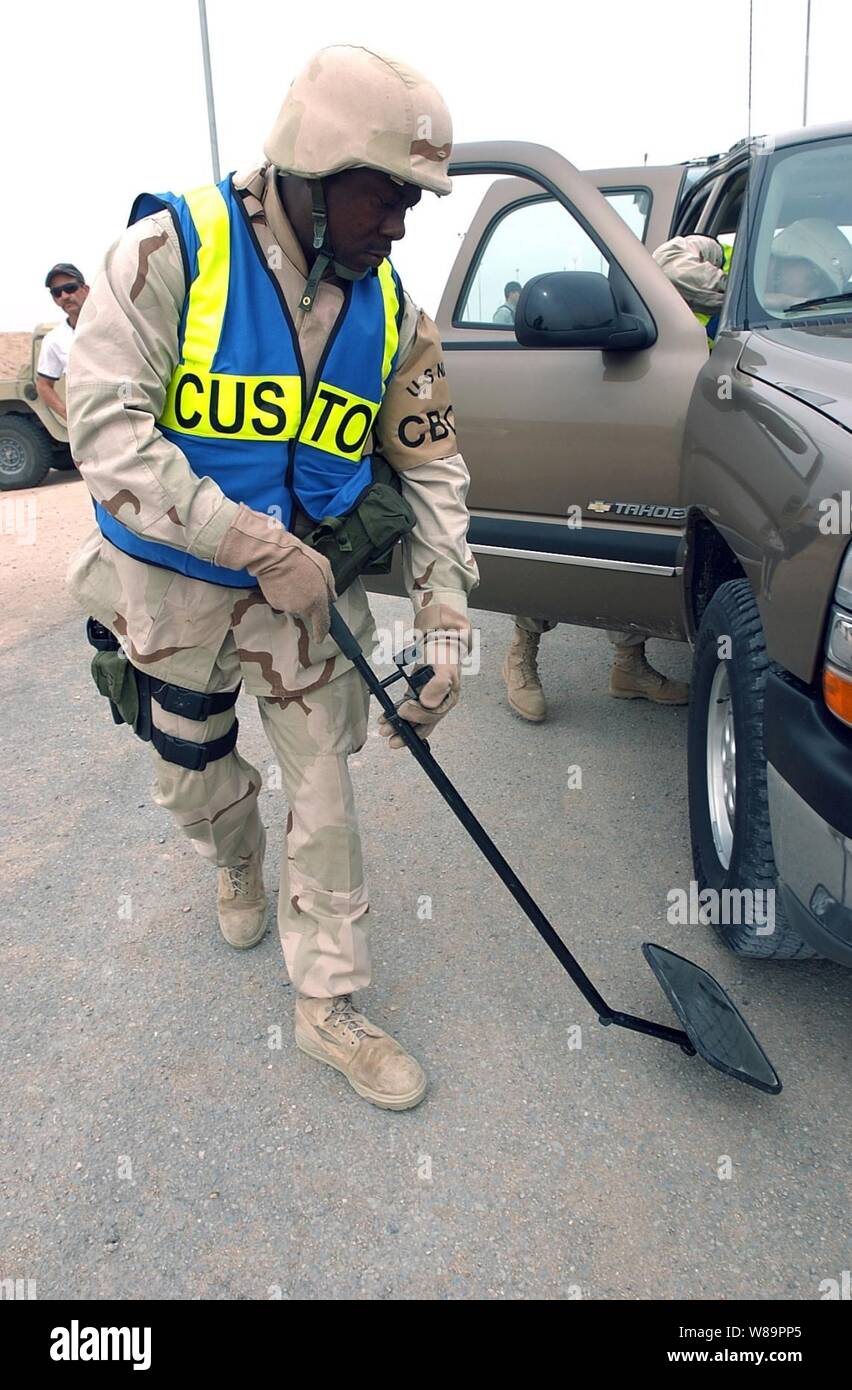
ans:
(618, 639)
(323, 898)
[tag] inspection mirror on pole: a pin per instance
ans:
(713, 1027)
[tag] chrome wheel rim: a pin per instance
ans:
(721, 765)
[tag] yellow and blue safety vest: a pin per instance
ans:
(236, 404)
(710, 322)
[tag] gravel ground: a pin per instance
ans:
(160, 1143)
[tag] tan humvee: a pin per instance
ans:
(33, 439)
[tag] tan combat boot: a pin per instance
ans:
(631, 678)
(520, 672)
(374, 1064)
(241, 900)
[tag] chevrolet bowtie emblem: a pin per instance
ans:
(598, 507)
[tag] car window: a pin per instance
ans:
(692, 208)
(802, 244)
(725, 216)
(692, 174)
(534, 238)
(689, 220)
(633, 206)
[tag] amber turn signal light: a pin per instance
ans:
(837, 689)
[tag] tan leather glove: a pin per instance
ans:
(446, 640)
(293, 578)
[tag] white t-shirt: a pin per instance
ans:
(55, 346)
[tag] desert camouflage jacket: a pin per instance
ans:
(124, 353)
(694, 266)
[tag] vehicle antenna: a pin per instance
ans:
(751, 41)
(748, 142)
(807, 60)
(208, 84)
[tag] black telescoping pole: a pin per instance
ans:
(348, 644)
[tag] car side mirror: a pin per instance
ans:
(577, 309)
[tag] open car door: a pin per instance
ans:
(574, 452)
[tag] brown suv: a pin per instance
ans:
(623, 477)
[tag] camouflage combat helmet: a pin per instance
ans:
(819, 241)
(351, 108)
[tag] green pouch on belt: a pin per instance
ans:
(362, 542)
(114, 676)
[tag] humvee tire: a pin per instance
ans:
(62, 460)
(26, 452)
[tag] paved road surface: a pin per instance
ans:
(157, 1145)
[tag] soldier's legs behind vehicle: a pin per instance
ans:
(633, 678)
(626, 639)
(323, 899)
(520, 669)
(538, 625)
(541, 625)
(216, 807)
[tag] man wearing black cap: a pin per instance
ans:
(68, 288)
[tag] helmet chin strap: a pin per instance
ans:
(324, 249)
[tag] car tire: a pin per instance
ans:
(26, 452)
(728, 804)
(62, 460)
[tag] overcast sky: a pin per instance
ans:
(101, 100)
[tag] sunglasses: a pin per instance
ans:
(70, 288)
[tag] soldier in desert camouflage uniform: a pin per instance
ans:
(357, 139)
